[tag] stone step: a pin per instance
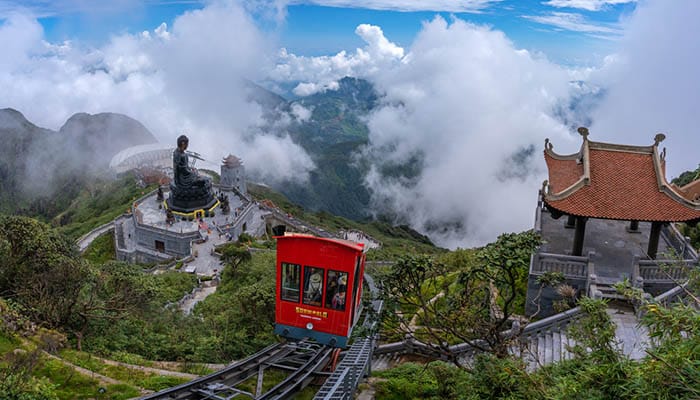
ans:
(556, 346)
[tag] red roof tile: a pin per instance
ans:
(623, 185)
(562, 173)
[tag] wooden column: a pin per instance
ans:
(634, 226)
(654, 239)
(570, 221)
(579, 236)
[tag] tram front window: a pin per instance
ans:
(313, 286)
(290, 282)
(336, 290)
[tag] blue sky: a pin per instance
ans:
(570, 32)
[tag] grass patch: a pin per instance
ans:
(7, 343)
(70, 385)
(99, 202)
(101, 249)
(127, 375)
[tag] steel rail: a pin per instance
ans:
(233, 371)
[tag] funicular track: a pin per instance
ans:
(304, 360)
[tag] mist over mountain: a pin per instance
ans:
(332, 134)
(103, 135)
(41, 169)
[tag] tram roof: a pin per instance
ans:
(340, 242)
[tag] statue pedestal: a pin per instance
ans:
(190, 199)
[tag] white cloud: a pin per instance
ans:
(309, 88)
(189, 78)
(463, 105)
(301, 113)
(653, 85)
(590, 5)
(574, 22)
(321, 73)
(406, 5)
(378, 46)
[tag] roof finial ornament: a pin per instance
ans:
(583, 131)
(545, 187)
(659, 138)
(548, 145)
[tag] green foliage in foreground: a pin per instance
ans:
(450, 299)
(598, 370)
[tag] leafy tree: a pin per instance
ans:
(427, 301)
(109, 293)
(41, 269)
(686, 177)
(234, 254)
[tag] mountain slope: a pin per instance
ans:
(335, 131)
(42, 170)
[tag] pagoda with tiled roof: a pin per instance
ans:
(618, 182)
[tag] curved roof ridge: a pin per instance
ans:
(616, 182)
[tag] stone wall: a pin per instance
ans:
(233, 177)
(175, 244)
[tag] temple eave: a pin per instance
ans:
(681, 214)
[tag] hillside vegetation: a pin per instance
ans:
(395, 240)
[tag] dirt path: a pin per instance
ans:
(104, 380)
(412, 326)
(148, 369)
(174, 365)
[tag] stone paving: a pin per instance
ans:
(632, 337)
(153, 214)
(614, 247)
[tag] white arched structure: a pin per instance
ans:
(151, 155)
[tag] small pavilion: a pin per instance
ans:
(618, 182)
(619, 214)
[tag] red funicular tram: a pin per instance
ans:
(319, 288)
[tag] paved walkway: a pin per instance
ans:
(188, 304)
(85, 240)
(632, 337)
(206, 262)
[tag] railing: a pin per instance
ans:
(341, 384)
(84, 241)
(678, 242)
(664, 270)
(570, 266)
(671, 296)
(556, 322)
(171, 232)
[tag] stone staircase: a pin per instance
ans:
(545, 347)
(606, 289)
(541, 343)
(382, 362)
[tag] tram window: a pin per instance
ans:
(313, 286)
(336, 290)
(290, 282)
